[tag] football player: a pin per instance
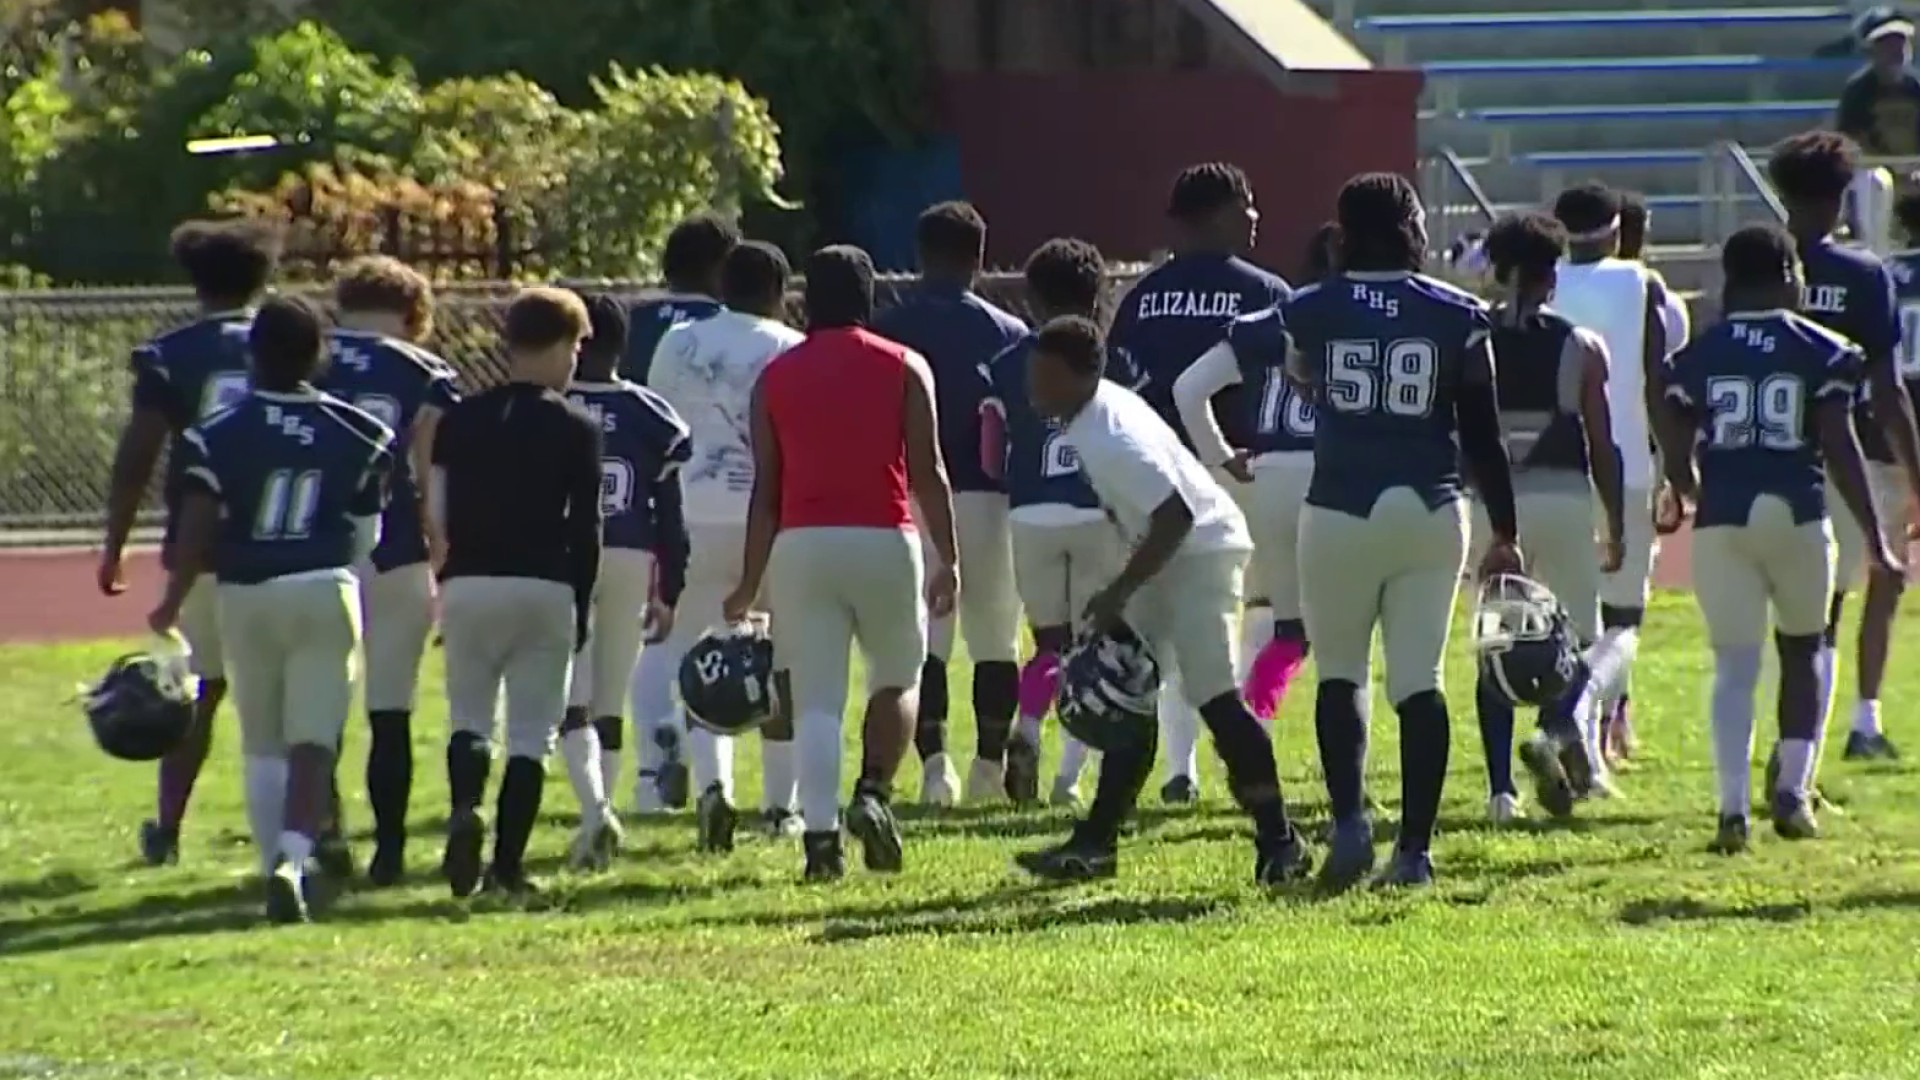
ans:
(958, 332)
(705, 371)
(1764, 400)
(1552, 383)
(1163, 324)
(1851, 292)
(179, 378)
(695, 251)
(1064, 548)
(1401, 371)
(1179, 590)
(376, 364)
(280, 496)
(643, 567)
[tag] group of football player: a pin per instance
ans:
(1183, 495)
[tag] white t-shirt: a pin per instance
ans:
(1135, 461)
(706, 370)
(1609, 297)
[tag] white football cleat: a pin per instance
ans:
(986, 781)
(939, 781)
(1066, 792)
(646, 795)
(1504, 809)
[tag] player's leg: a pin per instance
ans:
(1623, 607)
(1558, 528)
(1798, 567)
(1095, 555)
(180, 768)
(779, 784)
(712, 572)
(398, 610)
(1416, 618)
(1278, 493)
(579, 742)
(886, 596)
(661, 778)
(1850, 561)
(322, 622)
(1866, 740)
(1255, 629)
(537, 672)
(1732, 594)
(477, 626)
(990, 624)
(258, 694)
(1041, 565)
(1493, 712)
(1342, 571)
(812, 637)
(939, 778)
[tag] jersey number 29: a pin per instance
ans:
(1400, 379)
(1768, 412)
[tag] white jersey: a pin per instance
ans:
(1134, 461)
(1609, 297)
(707, 370)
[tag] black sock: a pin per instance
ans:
(390, 773)
(930, 730)
(996, 697)
(469, 759)
(871, 785)
(1799, 701)
(1424, 739)
(1342, 734)
(1124, 770)
(1495, 713)
(612, 731)
(1246, 750)
(520, 788)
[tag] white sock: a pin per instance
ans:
(652, 700)
(1610, 659)
(1179, 729)
(581, 750)
(1256, 630)
(819, 750)
(609, 769)
(710, 760)
(266, 788)
(1073, 759)
(776, 775)
(296, 847)
(1736, 672)
(1866, 717)
(1796, 767)
(1826, 663)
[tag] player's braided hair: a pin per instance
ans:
(1587, 208)
(1066, 275)
(1379, 218)
(952, 233)
(1813, 166)
(229, 261)
(1202, 189)
(1758, 257)
(1527, 244)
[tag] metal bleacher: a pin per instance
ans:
(1527, 96)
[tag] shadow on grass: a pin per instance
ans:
(59, 885)
(1105, 911)
(1654, 910)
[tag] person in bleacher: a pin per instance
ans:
(1880, 106)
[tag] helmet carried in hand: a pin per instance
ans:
(143, 707)
(1524, 641)
(1109, 689)
(726, 679)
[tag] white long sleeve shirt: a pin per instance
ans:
(707, 370)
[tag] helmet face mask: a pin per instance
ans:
(1524, 641)
(1109, 689)
(726, 679)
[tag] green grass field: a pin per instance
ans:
(1616, 948)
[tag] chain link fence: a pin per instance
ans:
(64, 382)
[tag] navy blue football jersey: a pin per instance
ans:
(643, 444)
(1905, 269)
(1751, 384)
(649, 320)
(188, 374)
(1041, 467)
(1850, 291)
(958, 332)
(1277, 416)
(292, 471)
(1385, 353)
(1175, 314)
(393, 380)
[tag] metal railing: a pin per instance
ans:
(1457, 205)
(1730, 181)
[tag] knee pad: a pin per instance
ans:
(1424, 707)
(612, 732)
(1621, 618)
(573, 720)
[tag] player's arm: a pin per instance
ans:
(669, 514)
(1136, 475)
(1193, 394)
(370, 499)
(927, 473)
(583, 524)
(441, 396)
(763, 504)
(1675, 421)
(1596, 417)
(1655, 352)
(1840, 444)
(993, 438)
(134, 459)
(1891, 406)
(196, 529)
(1483, 442)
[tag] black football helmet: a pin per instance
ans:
(1109, 688)
(1525, 641)
(726, 679)
(143, 707)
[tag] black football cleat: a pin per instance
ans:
(287, 894)
(825, 861)
(1793, 817)
(1281, 861)
(1180, 791)
(159, 844)
(1407, 870)
(1733, 837)
(715, 820)
(1349, 854)
(1578, 769)
(871, 822)
(388, 865)
(1552, 788)
(1023, 771)
(1076, 860)
(511, 885)
(672, 778)
(332, 855)
(1864, 747)
(466, 837)
(1816, 799)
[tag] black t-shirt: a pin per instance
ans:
(1884, 117)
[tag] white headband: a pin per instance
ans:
(1600, 233)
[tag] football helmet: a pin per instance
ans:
(1109, 689)
(143, 706)
(1524, 641)
(726, 678)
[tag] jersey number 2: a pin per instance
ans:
(288, 501)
